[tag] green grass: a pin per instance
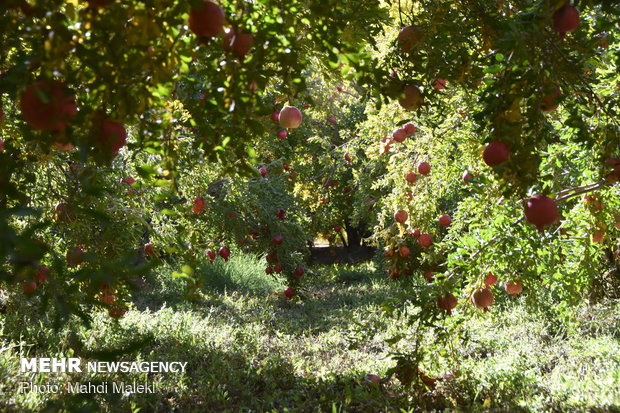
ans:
(250, 350)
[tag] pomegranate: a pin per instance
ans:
(448, 302)
(416, 233)
(299, 272)
(424, 168)
(224, 253)
(289, 292)
(111, 136)
(513, 287)
(445, 220)
(263, 171)
(207, 20)
(337, 228)
(482, 298)
(290, 117)
(372, 379)
(541, 211)
(347, 157)
(238, 43)
(275, 116)
(401, 216)
(439, 83)
(425, 240)
(129, 180)
(490, 279)
(409, 37)
(429, 276)
(409, 128)
(281, 214)
(42, 273)
(268, 270)
(399, 135)
(149, 250)
(199, 205)
(211, 255)
(550, 101)
(286, 167)
(566, 19)
(282, 134)
(277, 240)
(411, 98)
(404, 251)
(63, 212)
(411, 177)
(29, 287)
(272, 257)
(332, 119)
(496, 153)
(48, 106)
(277, 268)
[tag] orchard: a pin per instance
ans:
(393, 189)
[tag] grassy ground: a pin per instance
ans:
(249, 350)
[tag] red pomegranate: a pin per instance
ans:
(289, 292)
(211, 255)
(404, 251)
(282, 134)
(411, 98)
(263, 171)
(439, 83)
(566, 19)
(42, 273)
(111, 136)
(399, 135)
(424, 168)
(239, 43)
(447, 303)
(299, 272)
(277, 240)
(445, 220)
(411, 177)
(207, 20)
(482, 298)
(347, 157)
(409, 37)
(281, 214)
(277, 268)
(337, 228)
(268, 270)
(272, 257)
(224, 253)
(332, 119)
(409, 128)
(48, 106)
(401, 216)
(199, 205)
(429, 276)
(416, 233)
(275, 116)
(490, 279)
(425, 240)
(496, 153)
(290, 117)
(513, 287)
(541, 211)
(149, 250)
(29, 287)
